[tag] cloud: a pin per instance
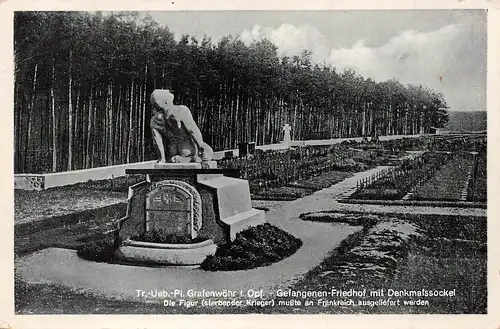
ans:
(442, 60)
(450, 59)
(410, 57)
(290, 40)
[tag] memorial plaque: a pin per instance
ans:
(170, 208)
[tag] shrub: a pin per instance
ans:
(99, 251)
(257, 246)
(162, 236)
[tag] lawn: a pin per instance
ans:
(448, 182)
(32, 206)
(66, 231)
(467, 275)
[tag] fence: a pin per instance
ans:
(411, 173)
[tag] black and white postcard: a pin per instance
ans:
(252, 160)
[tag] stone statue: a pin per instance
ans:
(286, 129)
(175, 132)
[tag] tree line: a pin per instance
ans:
(83, 80)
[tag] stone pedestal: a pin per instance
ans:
(166, 254)
(187, 200)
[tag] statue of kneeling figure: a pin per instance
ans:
(175, 133)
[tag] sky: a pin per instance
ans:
(442, 49)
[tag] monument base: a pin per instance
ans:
(244, 220)
(207, 205)
(165, 254)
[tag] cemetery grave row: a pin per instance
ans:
(441, 173)
(270, 170)
(264, 170)
(463, 178)
(449, 182)
(395, 182)
(279, 168)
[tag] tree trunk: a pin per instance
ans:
(70, 118)
(143, 123)
(118, 133)
(129, 139)
(109, 138)
(31, 107)
(54, 122)
(89, 138)
(294, 129)
(75, 130)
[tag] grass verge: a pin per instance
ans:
(432, 253)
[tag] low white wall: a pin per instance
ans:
(45, 181)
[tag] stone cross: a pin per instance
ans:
(286, 129)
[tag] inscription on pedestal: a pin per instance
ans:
(171, 206)
(170, 209)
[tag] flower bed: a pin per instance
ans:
(299, 189)
(257, 246)
(161, 236)
(371, 260)
(103, 249)
(404, 252)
